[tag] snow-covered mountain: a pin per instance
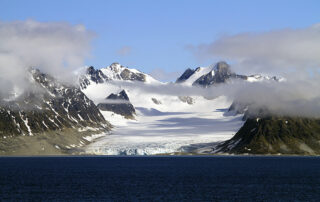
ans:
(58, 118)
(119, 104)
(274, 135)
(50, 118)
(163, 123)
(215, 74)
(114, 72)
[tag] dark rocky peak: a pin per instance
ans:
(126, 74)
(197, 69)
(185, 75)
(92, 75)
(49, 106)
(220, 73)
(119, 72)
(120, 96)
(113, 72)
(275, 135)
(91, 70)
(124, 108)
(222, 69)
(96, 75)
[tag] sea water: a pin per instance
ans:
(160, 178)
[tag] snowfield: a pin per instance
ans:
(172, 126)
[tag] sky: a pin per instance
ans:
(157, 36)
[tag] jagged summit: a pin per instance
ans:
(120, 96)
(113, 72)
(275, 135)
(186, 75)
(222, 68)
(206, 76)
(115, 67)
(50, 107)
(215, 74)
(119, 104)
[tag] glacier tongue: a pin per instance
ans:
(166, 126)
(158, 132)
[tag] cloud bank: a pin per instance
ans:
(56, 48)
(291, 53)
(277, 51)
(290, 98)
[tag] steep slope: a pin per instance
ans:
(119, 104)
(275, 135)
(215, 74)
(50, 113)
(220, 73)
(114, 72)
(164, 123)
(92, 75)
(186, 75)
(190, 76)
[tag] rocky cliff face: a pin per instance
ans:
(49, 107)
(185, 75)
(93, 75)
(216, 74)
(220, 74)
(275, 135)
(111, 73)
(119, 104)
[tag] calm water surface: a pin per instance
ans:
(160, 178)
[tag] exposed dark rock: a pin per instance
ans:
(52, 106)
(273, 135)
(187, 99)
(119, 104)
(155, 101)
(120, 96)
(220, 74)
(185, 75)
(118, 72)
(49, 107)
(94, 75)
(126, 74)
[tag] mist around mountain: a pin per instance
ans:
(50, 118)
(119, 104)
(211, 78)
(134, 114)
(267, 133)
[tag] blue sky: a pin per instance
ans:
(150, 35)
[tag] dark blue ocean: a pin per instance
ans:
(160, 179)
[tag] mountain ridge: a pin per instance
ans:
(59, 118)
(216, 74)
(50, 109)
(275, 135)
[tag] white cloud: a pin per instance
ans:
(56, 48)
(272, 51)
(291, 98)
(292, 53)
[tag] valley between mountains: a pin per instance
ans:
(121, 111)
